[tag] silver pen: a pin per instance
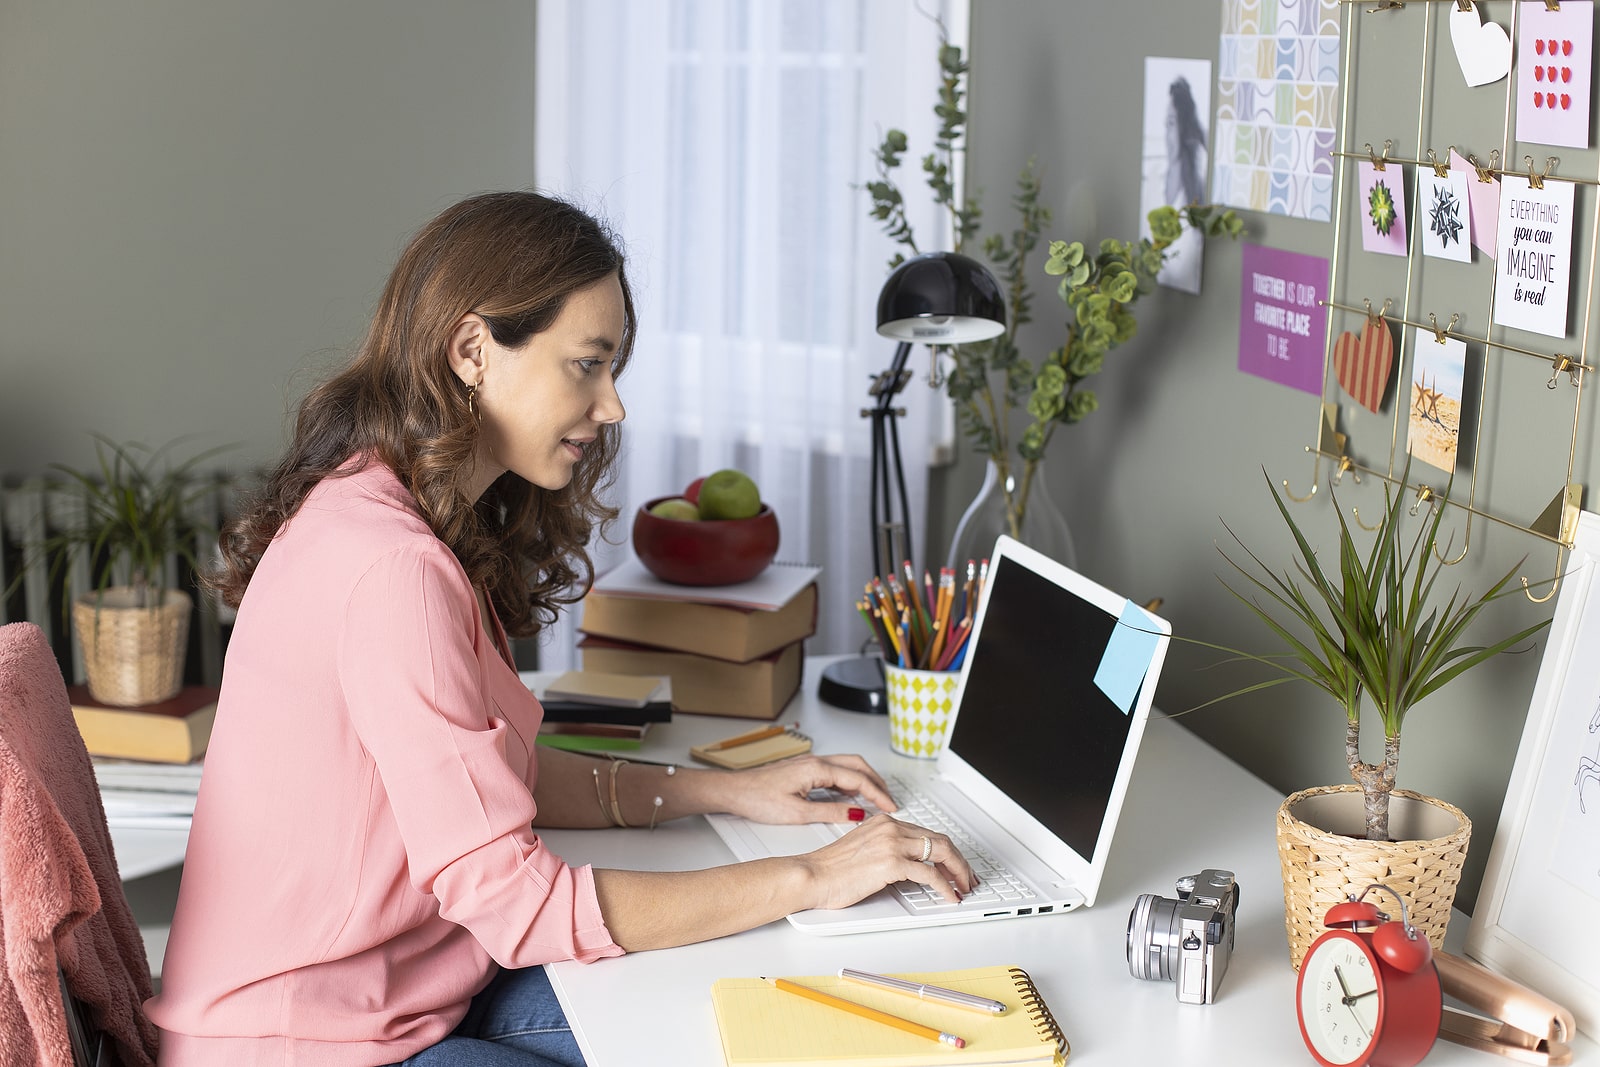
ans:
(926, 992)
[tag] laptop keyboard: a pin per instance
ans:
(996, 883)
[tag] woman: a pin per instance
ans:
(364, 883)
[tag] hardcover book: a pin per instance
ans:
(176, 730)
(755, 690)
(724, 631)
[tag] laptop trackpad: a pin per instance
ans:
(750, 840)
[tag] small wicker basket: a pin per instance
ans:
(1322, 868)
(132, 655)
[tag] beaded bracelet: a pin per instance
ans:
(613, 810)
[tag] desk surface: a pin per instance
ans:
(1189, 808)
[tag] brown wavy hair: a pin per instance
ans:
(514, 258)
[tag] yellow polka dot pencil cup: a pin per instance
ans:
(920, 706)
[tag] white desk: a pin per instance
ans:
(143, 851)
(1189, 808)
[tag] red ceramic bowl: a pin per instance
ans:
(715, 552)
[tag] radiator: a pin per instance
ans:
(32, 510)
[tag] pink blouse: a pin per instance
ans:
(362, 854)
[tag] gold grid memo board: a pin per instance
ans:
(1411, 58)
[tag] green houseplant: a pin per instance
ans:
(991, 381)
(1370, 628)
(127, 518)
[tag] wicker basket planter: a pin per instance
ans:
(132, 655)
(1322, 865)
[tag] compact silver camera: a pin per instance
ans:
(1188, 940)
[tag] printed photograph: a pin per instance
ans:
(1437, 376)
(1177, 101)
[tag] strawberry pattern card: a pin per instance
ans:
(1553, 71)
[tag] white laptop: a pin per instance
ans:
(1054, 694)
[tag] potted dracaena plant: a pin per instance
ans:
(1368, 627)
(128, 518)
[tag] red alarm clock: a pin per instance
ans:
(1369, 994)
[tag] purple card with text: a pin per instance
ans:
(1283, 327)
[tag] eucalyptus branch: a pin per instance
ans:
(1097, 289)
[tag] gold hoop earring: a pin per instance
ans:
(472, 407)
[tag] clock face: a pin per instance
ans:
(1340, 1005)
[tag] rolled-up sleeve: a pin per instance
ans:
(414, 683)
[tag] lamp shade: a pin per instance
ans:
(941, 298)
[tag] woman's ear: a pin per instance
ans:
(468, 350)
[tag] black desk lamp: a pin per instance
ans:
(939, 298)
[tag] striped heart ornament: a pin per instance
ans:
(1363, 363)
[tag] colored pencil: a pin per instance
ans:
(745, 739)
(817, 995)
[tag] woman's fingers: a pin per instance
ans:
(781, 792)
(883, 851)
(853, 776)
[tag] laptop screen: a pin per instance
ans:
(1032, 719)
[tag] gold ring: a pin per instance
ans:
(927, 849)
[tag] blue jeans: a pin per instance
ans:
(514, 1022)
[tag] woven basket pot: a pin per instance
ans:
(1325, 860)
(132, 655)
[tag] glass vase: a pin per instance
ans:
(1041, 527)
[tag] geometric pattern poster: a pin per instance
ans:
(1277, 107)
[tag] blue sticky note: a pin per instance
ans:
(1127, 656)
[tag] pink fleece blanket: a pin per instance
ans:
(61, 900)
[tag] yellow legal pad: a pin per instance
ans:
(762, 1024)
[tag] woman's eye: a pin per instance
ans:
(588, 366)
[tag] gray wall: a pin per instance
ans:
(199, 201)
(1181, 438)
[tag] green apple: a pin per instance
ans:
(676, 508)
(729, 494)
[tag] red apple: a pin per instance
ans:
(693, 492)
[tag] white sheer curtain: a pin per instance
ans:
(727, 143)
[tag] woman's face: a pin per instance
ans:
(542, 404)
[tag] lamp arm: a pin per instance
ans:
(886, 451)
(900, 480)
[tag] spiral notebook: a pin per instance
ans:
(762, 1024)
(738, 756)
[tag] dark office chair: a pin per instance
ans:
(75, 973)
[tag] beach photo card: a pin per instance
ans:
(1554, 47)
(1383, 209)
(1534, 264)
(1438, 376)
(1444, 215)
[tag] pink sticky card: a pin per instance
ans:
(1484, 200)
(1553, 72)
(1383, 209)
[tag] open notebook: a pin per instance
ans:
(1052, 703)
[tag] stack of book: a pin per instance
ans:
(732, 650)
(599, 711)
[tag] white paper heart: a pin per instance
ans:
(1482, 48)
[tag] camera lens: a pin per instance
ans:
(1153, 934)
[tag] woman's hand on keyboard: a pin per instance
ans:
(779, 793)
(881, 852)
